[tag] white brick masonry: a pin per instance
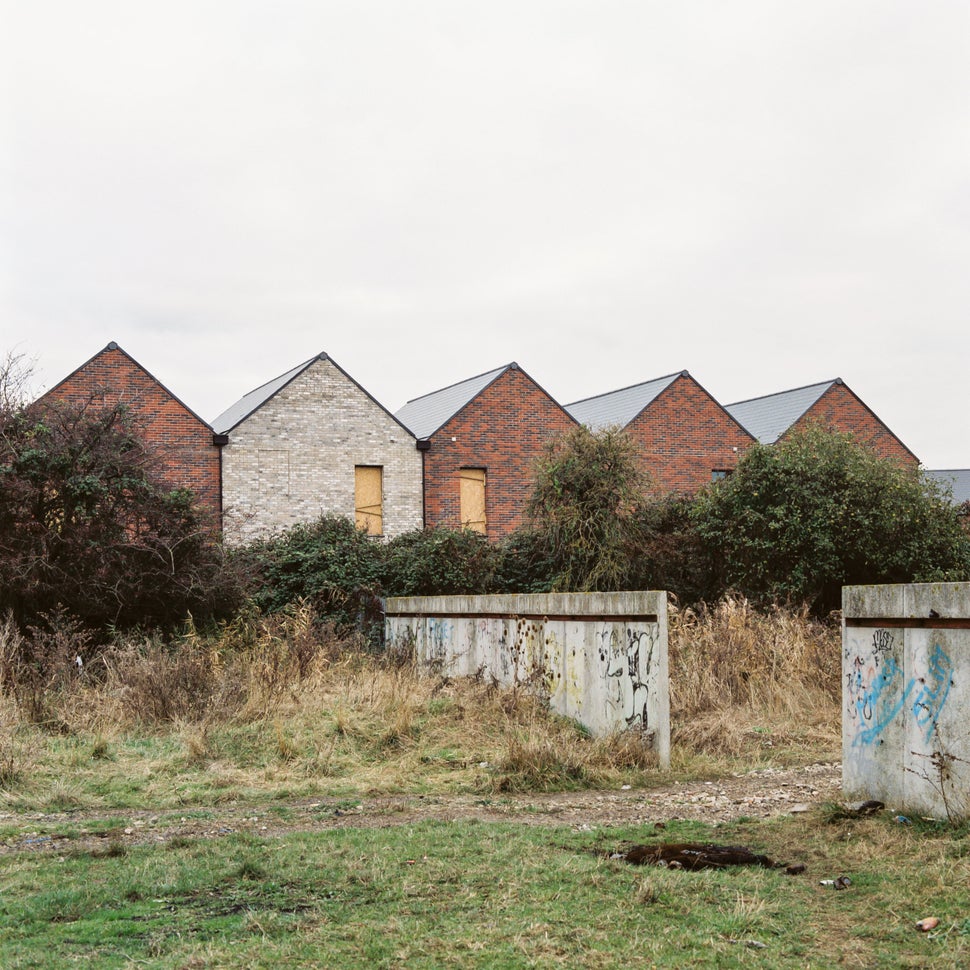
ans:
(293, 458)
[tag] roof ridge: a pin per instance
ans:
(495, 370)
(629, 387)
(790, 390)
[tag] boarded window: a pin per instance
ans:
(472, 483)
(369, 498)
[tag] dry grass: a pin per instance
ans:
(272, 704)
(742, 679)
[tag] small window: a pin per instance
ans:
(472, 498)
(719, 474)
(369, 499)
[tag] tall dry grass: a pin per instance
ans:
(744, 686)
(738, 675)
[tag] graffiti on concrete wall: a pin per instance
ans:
(624, 666)
(878, 690)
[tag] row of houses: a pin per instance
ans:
(313, 441)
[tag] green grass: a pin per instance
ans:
(491, 895)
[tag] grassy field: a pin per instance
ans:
(268, 715)
(472, 895)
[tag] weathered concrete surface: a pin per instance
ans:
(906, 697)
(600, 658)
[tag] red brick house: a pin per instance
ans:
(830, 403)
(480, 439)
(188, 450)
(685, 437)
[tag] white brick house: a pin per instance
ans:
(313, 441)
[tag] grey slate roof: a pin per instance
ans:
(957, 478)
(258, 397)
(769, 417)
(425, 415)
(619, 408)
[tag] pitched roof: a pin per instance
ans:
(233, 416)
(619, 408)
(425, 415)
(257, 397)
(957, 478)
(769, 417)
(112, 345)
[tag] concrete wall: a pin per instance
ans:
(599, 658)
(293, 458)
(906, 697)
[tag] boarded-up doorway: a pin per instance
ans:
(472, 497)
(369, 498)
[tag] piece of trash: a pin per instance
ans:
(754, 944)
(796, 870)
(826, 882)
(902, 820)
(843, 882)
(868, 807)
(927, 924)
(625, 787)
(799, 808)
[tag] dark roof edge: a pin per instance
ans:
(297, 371)
(629, 387)
(866, 406)
(511, 366)
(113, 345)
(369, 396)
(730, 416)
(789, 390)
(501, 373)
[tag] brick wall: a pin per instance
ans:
(685, 435)
(183, 441)
(502, 430)
(293, 459)
(839, 408)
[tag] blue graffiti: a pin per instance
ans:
(930, 700)
(879, 694)
(879, 702)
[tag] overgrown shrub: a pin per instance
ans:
(801, 518)
(87, 524)
(438, 562)
(329, 563)
(582, 511)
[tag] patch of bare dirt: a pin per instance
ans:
(757, 794)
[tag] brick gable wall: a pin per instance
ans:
(503, 430)
(293, 459)
(188, 457)
(840, 409)
(684, 435)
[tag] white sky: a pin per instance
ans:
(766, 194)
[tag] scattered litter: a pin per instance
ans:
(625, 787)
(754, 944)
(796, 870)
(693, 855)
(902, 820)
(842, 882)
(927, 924)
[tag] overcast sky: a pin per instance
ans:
(766, 194)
